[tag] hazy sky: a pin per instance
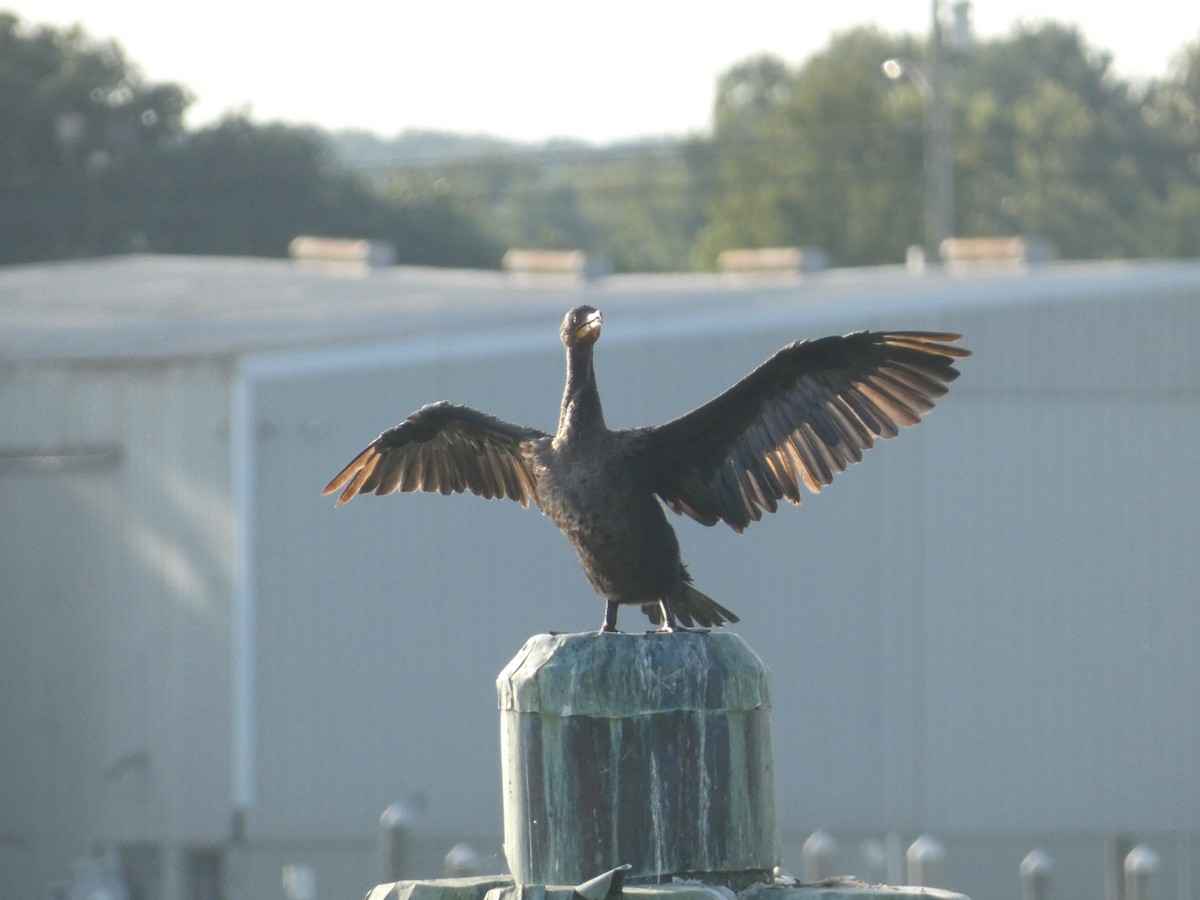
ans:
(531, 69)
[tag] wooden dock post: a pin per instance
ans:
(652, 750)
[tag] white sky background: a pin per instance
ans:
(532, 69)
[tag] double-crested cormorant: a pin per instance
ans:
(799, 418)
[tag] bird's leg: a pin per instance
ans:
(669, 624)
(610, 617)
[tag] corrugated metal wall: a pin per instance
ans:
(985, 631)
(114, 660)
(985, 627)
(1065, 628)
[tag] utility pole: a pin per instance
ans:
(939, 154)
(931, 78)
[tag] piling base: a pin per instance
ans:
(651, 751)
(639, 758)
(497, 888)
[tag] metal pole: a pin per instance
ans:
(395, 838)
(1116, 848)
(925, 858)
(1141, 867)
(1035, 875)
(817, 856)
(940, 159)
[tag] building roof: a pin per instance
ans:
(145, 307)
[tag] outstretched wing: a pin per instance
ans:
(447, 449)
(799, 418)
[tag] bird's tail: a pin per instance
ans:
(691, 607)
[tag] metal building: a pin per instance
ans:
(986, 631)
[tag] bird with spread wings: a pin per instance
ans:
(797, 420)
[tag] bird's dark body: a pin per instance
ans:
(798, 419)
(610, 515)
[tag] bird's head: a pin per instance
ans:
(581, 326)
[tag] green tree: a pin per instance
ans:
(241, 188)
(827, 155)
(637, 204)
(1050, 143)
(647, 206)
(1172, 107)
(74, 113)
(755, 170)
(94, 159)
(508, 196)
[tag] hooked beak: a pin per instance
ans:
(590, 329)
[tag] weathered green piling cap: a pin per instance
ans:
(621, 675)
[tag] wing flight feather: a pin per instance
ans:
(803, 416)
(444, 448)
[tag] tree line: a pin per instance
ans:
(94, 160)
(1047, 140)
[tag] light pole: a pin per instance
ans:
(939, 154)
(940, 212)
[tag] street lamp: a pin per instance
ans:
(930, 81)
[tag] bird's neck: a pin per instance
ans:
(581, 411)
